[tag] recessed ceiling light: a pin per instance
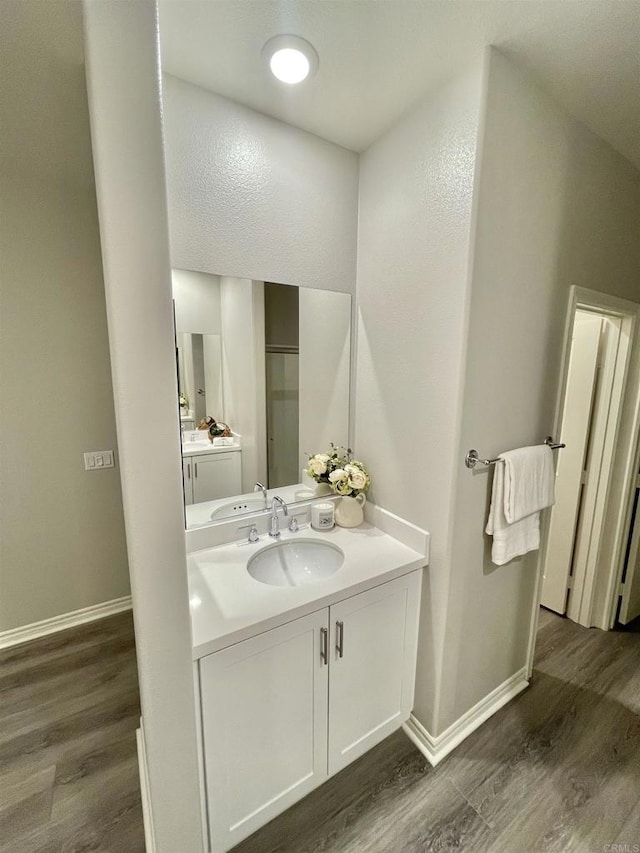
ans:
(290, 58)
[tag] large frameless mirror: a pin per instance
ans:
(263, 375)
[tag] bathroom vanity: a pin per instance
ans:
(296, 681)
(209, 472)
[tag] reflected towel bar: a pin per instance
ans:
(472, 459)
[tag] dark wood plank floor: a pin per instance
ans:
(69, 709)
(558, 769)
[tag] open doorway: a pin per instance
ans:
(590, 541)
(282, 385)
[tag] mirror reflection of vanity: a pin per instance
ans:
(199, 377)
(272, 361)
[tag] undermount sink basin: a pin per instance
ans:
(295, 562)
(239, 507)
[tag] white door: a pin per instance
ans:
(630, 605)
(187, 479)
(264, 715)
(373, 644)
(570, 466)
(216, 475)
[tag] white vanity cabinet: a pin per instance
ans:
(264, 727)
(284, 710)
(373, 647)
(209, 476)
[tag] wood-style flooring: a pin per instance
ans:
(558, 769)
(69, 709)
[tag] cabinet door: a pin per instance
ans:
(264, 714)
(216, 476)
(373, 647)
(187, 479)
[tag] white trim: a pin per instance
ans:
(204, 808)
(604, 303)
(436, 748)
(601, 614)
(147, 819)
(25, 633)
(537, 597)
(606, 615)
(596, 501)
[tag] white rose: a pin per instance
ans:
(317, 466)
(357, 479)
(324, 457)
(337, 475)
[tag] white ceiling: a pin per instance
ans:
(378, 57)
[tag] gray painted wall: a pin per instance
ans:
(557, 207)
(63, 545)
(126, 131)
(416, 188)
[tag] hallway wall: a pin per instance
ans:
(63, 544)
(557, 207)
(416, 188)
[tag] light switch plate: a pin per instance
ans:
(97, 459)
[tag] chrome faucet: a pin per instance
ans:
(260, 488)
(274, 527)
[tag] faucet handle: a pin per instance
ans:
(293, 524)
(259, 487)
(253, 535)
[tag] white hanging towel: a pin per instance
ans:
(523, 484)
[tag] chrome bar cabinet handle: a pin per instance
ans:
(324, 646)
(340, 638)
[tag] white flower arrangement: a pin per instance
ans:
(346, 476)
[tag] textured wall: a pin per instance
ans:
(63, 545)
(556, 207)
(416, 186)
(254, 198)
(124, 100)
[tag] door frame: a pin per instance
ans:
(597, 502)
(602, 600)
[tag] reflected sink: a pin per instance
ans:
(295, 562)
(239, 507)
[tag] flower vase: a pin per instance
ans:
(349, 511)
(322, 489)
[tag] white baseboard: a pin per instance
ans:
(66, 620)
(436, 748)
(149, 839)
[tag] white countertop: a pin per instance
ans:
(197, 448)
(228, 605)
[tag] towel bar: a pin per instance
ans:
(472, 459)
